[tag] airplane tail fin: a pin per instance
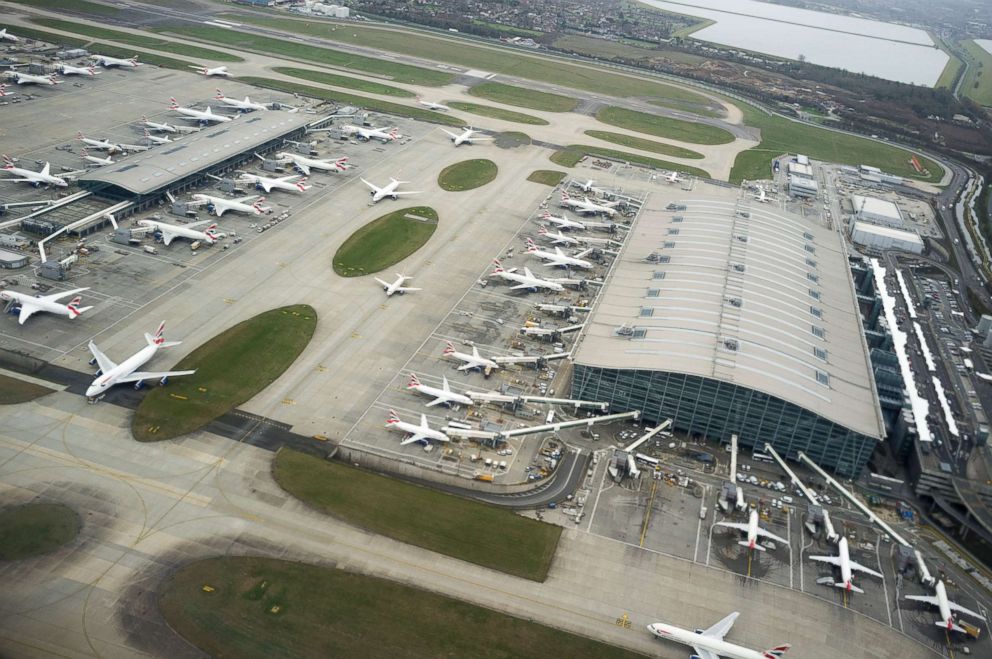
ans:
(393, 417)
(73, 307)
(449, 348)
(302, 186)
(173, 103)
(219, 96)
(499, 266)
(258, 205)
(7, 162)
(542, 231)
(745, 543)
(159, 338)
(777, 651)
(394, 133)
(414, 381)
(92, 70)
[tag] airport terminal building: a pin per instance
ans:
(734, 319)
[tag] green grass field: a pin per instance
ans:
(644, 145)
(573, 153)
(549, 177)
(15, 390)
(385, 241)
(468, 530)
(35, 528)
(358, 84)
(141, 41)
(524, 98)
(264, 608)
(231, 368)
(511, 139)
(497, 113)
(652, 124)
(367, 102)
(78, 6)
(102, 48)
(220, 36)
(977, 84)
(954, 64)
(467, 175)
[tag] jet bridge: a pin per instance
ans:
(555, 427)
(496, 397)
(731, 490)
(828, 527)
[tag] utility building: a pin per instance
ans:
(877, 211)
(884, 237)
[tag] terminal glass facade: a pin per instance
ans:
(716, 409)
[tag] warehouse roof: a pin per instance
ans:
(889, 232)
(764, 301)
(875, 206)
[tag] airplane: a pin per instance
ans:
(157, 127)
(305, 164)
(203, 116)
(29, 79)
(220, 206)
(432, 105)
(69, 70)
(34, 178)
(557, 238)
(558, 257)
(369, 134)
(674, 177)
(475, 360)
(246, 105)
(442, 395)
(96, 160)
(172, 231)
(527, 280)
(466, 137)
(586, 206)
(155, 139)
(217, 71)
(417, 433)
(30, 304)
(753, 531)
(6, 36)
(388, 190)
(106, 61)
(585, 187)
(844, 562)
(396, 286)
(762, 196)
(132, 148)
(103, 145)
(293, 183)
(562, 222)
(127, 371)
(946, 608)
(709, 643)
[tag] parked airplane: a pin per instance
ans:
(69, 70)
(219, 206)
(844, 562)
(709, 643)
(475, 360)
(155, 139)
(559, 258)
(7, 36)
(562, 222)
(246, 105)
(202, 116)
(102, 145)
(304, 164)
(127, 371)
(417, 433)
(171, 231)
(30, 304)
(29, 79)
(96, 160)
(132, 148)
(946, 608)
(674, 177)
(106, 61)
(762, 196)
(293, 182)
(441, 396)
(382, 134)
(388, 190)
(753, 532)
(557, 238)
(587, 207)
(397, 286)
(216, 71)
(527, 280)
(585, 187)
(160, 128)
(34, 178)
(466, 137)
(432, 105)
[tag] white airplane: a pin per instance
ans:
(157, 127)
(293, 182)
(7, 36)
(475, 360)
(562, 222)
(442, 395)
(29, 79)
(417, 433)
(946, 608)
(587, 207)
(674, 177)
(527, 280)
(203, 116)
(382, 134)
(762, 196)
(397, 286)
(188, 231)
(246, 105)
(96, 160)
(31, 304)
(127, 371)
(388, 190)
(844, 562)
(304, 164)
(69, 70)
(709, 643)
(216, 71)
(559, 258)
(34, 178)
(432, 105)
(155, 139)
(753, 532)
(585, 187)
(466, 137)
(106, 61)
(132, 148)
(219, 206)
(102, 145)
(557, 238)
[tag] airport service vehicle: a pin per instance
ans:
(444, 395)
(31, 304)
(293, 183)
(475, 360)
(218, 206)
(69, 70)
(7, 36)
(203, 116)
(753, 532)
(432, 105)
(556, 237)
(709, 643)
(382, 134)
(171, 231)
(159, 128)
(466, 137)
(586, 207)
(216, 71)
(111, 373)
(96, 160)
(423, 432)
(946, 607)
(29, 79)
(397, 286)
(562, 222)
(107, 62)
(846, 565)
(388, 190)
(155, 139)
(246, 105)
(304, 164)
(558, 258)
(34, 178)
(528, 280)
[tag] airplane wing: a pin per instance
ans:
(928, 599)
(102, 360)
(302, 167)
(519, 286)
(479, 139)
(56, 296)
(404, 289)
(768, 534)
(45, 170)
(193, 225)
(374, 188)
(401, 194)
(384, 283)
(866, 570)
(960, 609)
(584, 253)
(722, 628)
(452, 135)
(437, 401)
(415, 437)
(833, 560)
(27, 310)
(151, 375)
(734, 525)
(703, 653)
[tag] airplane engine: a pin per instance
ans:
(138, 385)
(92, 362)
(164, 381)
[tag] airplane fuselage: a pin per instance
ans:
(106, 380)
(446, 396)
(531, 282)
(716, 646)
(47, 306)
(414, 429)
(223, 205)
(36, 178)
(176, 231)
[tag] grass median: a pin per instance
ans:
(358, 84)
(467, 175)
(548, 177)
(468, 530)
(524, 98)
(36, 528)
(385, 241)
(644, 145)
(76, 6)
(231, 368)
(653, 124)
(15, 390)
(498, 113)
(101, 48)
(573, 153)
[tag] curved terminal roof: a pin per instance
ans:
(756, 297)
